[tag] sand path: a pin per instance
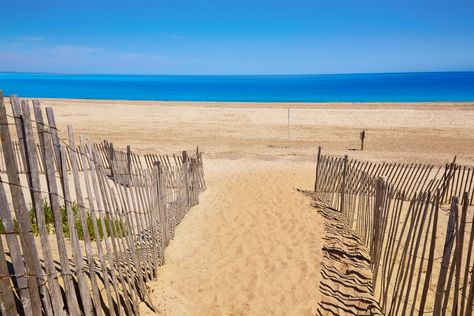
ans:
(252, 246)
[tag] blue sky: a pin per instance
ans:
(236, 37)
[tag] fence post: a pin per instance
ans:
(161, 210)
(186, 179)
(17, 112)
(75, 159)
(8, 299)
(37, 203)
(362, 138)
(429, 268)
(129, 165)
(376, 217)
(27, 240)
(46, 135)
(459, 255)
(317, 170)
(54, 137)
(111, 158)
(448, 246)
(343, 187)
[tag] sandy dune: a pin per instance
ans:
(251, 247)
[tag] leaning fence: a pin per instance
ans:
(83, 226)
(417, 222)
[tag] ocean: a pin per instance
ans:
(380, 87)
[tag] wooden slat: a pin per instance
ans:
(17, 113)
(448, 246)
(31, 258)
(459, 256)
(418, 234)
(429, 268)
(110, 218)
(54, 137)
(101, 217)
(44, 134)
(76, 248)
(125, 260)
(35, 185)
(465, 295)
(7, 303)
(131, 240)
(87, 163)
(85, 228)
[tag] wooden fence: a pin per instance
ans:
(83, 226)
(414, 220)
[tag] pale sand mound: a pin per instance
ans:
(252, 246)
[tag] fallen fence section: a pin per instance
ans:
(418, 225)
(83, 226)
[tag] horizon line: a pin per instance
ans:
(244, 75)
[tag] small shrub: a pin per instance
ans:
(113, 228)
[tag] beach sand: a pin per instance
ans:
(422, 132)
(251, 247)
(253, 244)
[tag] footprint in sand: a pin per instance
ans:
(260, 245)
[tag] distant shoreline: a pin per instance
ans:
(238, 75)
(247, 103)
(61, 102)
(169, 102)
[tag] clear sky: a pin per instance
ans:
(236, 37)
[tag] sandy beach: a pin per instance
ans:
(218, 158)
(252, 245)
(421, 132)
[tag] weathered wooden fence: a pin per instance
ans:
(414, 219)
(83, 226)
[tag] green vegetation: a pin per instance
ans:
(114, 228)
(16, 227)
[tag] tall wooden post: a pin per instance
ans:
(362, 138)
(55, 138)
(17, 112)
(448, 246)
(162, 214)
(376, 217)
(317, 170)
(186, 179)
(33, 302)
(459, 255)
(343, 187)
(111, 158)
(129, 163)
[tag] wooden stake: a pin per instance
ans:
(49, 151)
(362, 138)
(36, 198)
(448, 246)
(317, 169)
(343, 187)
(30, 254)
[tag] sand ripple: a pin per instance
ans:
(252, 245)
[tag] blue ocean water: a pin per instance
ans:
(382, 87)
